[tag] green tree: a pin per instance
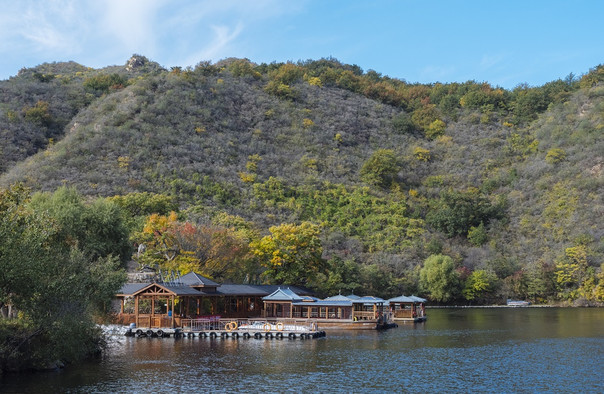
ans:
(479, 285)
(439, 278)
(376, 281)
(403, 124)
(96, 228)
(57, 289)
(478, 235)
(456, 212)
(136, 207)
(381, 168)
(341, 276)
(291, 254)
(540, 282)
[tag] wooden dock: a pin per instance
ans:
(234, 329)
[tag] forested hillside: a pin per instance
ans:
(322, 174)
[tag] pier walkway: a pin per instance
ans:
(235, 328)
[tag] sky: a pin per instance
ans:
(504, 43)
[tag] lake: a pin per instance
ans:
(456, 350)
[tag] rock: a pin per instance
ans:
(136, 61)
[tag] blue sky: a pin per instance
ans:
(504, 43)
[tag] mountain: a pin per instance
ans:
(508, 182)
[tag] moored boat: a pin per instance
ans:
(408, 308)
(518, 303)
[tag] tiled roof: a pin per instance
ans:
(417, 299)
(194, 279)
(181, 290)
(338, 297)
(296, 289)
(131, 288)
(324, 303)
(241, 290)
(283, 295)
(401, 299)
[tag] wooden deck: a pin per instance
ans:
(235, 328)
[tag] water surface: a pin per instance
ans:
(485, 350)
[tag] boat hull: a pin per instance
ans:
(410, 319)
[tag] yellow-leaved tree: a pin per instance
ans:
(211, 250)
(291, 254)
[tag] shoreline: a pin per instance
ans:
(499, 306)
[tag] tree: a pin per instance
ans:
(136, 207)
(57, 288)
(291, 254)
(478, 235)
(341, 276)
(541, 284)
(214, 251)
(479, 285)
(570, 271)
(381, 168)
(435, 129)
(97, 228)
(599, 290)
(458, 211)
(439, 278)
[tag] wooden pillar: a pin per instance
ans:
(198, 306)
(136, 309)
(172, 324)
(122, 305)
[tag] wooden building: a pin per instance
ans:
(410, 308)
(165, 304)
(338, 312)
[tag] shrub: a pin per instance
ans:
(555, 155)
(105, 82)
(435, 129)
(381, 168)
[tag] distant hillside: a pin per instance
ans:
(505, 182)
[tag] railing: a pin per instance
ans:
(251, 325)
(408, 314)
(333, 315)
(151, 321)
(403, 313)
(204, 323)
(363, 315)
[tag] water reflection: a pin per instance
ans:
(492, 350)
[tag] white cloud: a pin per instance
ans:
(100, 32)
(218, 46)
(211, 30)
(131, 25)
(40, 27)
